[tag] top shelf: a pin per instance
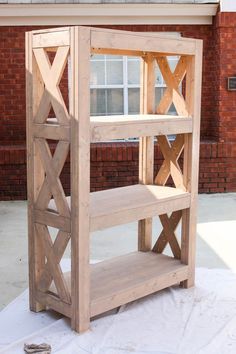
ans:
(129, 126)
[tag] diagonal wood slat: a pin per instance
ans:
(51, 75)
(168, 234)
(52, 185)
(59, 247)
(170, 164)
(52, 262)
(172, 80)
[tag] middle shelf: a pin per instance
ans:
(122, 205)
(129, 126)
(126, 204)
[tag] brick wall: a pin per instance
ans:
(116, 164)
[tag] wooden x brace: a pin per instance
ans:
(51, 75)
(168, 234)
(170, 165)
(53, 253)
(172, 81)
(52, 184)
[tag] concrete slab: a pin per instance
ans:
(216, 240)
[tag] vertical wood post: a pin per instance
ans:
(146, 145)
(191, 163)
(80, 177)
(35, 171)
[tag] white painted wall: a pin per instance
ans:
(228, 5)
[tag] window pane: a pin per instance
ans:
(114, 72)
(133, 72)
(97, 102)
(172, 63)
(115, 101)
(133, 100)
(97, 57)
(111, 57)
(97, 73)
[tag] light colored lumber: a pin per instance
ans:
(51, 131)
(126, 204)
(58, 249)
(191, 162)
(172, 81)
(138, 41)
(52, 185)
(52, 301)
(51, 39)
(35, 173)
(90, 290)
(170, 165)
(80, 177)
(146, 144)
(168, 234)
(52, 267)
(127, 126)
(51, 75)
(52, 219)
(126, 278)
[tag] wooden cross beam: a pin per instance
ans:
(52, 185)
(168, 234)
(170, 165)
(53, 261)
(173, 81)
(51, 76)
(59, 247)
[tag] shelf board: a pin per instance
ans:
(130, 126)
(122, 205)
(126, 204)
(122, 279)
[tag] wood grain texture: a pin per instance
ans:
(126, 278)
(90, 290)
(80, 177)
(146, 144)
(191, 162)
(35, 172)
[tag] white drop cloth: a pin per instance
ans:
(198, 320)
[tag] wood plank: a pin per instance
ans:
(126, 204)
(191, 162)
(52, 267)
(52, 301)
(51, 39)
(138, 41)
(52, 184)
(51, 131)
(170, 164)
(146, 144)
(164, 238)
(80, 177)
(52, 219)
(126, 278)
(126, 126)
(35, 172)
(51, 75)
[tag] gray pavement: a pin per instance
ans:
(216, 240)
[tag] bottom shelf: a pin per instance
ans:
(126, 278)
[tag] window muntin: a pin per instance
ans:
(115, 84)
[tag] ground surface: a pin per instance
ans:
(216, 240)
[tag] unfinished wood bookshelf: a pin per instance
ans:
(88, 290)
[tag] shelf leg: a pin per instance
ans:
(80, 178)
(146, 145)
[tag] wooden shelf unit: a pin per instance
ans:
(88, 290)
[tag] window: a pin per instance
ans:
(115, 84)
